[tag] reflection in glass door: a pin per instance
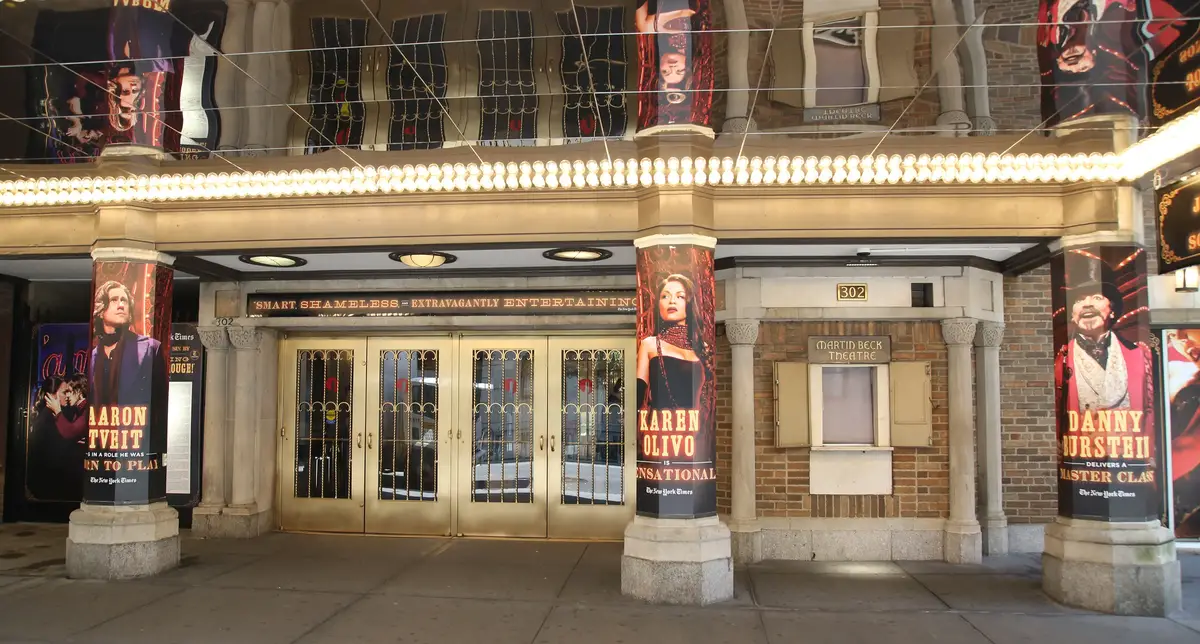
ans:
(408, 475)
(502, 488)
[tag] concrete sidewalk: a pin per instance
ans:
(343, 589)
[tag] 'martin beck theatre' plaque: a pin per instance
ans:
(384, 304)
(850, 349)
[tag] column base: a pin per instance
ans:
(963, 543)
(676, 128)
(746, 541)
(995, 536)
(1117, 568)
(231, 522)
(122, 542)
(677, 561)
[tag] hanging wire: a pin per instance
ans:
(229, 60)
(428, 88)
(750, 30)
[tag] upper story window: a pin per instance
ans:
(416, 83)
(594, 73)
(507, 84)
(335, 84)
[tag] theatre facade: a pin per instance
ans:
(724, 281)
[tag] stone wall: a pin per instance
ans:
(920, 475)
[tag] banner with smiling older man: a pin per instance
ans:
(1104, 385)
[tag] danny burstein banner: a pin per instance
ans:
(1181, 406)
(58, 426)
(676, 390)
(1094, 55)
(675, 63)
(128, 383)
(1104, 386)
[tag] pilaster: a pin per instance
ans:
(964, 541)
(213, 496)
(743, 525)
(243, 517)
(989, 436)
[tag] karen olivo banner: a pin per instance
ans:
(128, 383)
(1094, 55)
(1104, 385)
(675, 63)
(676, 389)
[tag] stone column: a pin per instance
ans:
(124, 527)
(743, 524)
(205, 520)
(676, 550)
(1107, 550)
(230, 81)
(258, 68)
(964, 542)
(243, 517)
(989, 436)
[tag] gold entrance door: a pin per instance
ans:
(408, 443)
(589, 409)
(501, 437)
(322, 447)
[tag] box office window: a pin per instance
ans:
(840, 61)
(848, 405)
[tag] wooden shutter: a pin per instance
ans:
(912, 404)
(895, 49)
(791, 404)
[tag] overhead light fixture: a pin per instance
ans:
(577, 254)
(863, 259)
(1187, 280)
(428, 259)
(273, 261)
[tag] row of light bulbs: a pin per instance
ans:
(1170, 142)
(459, 177)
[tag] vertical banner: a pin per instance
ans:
(58, 426)
(1094, 54)
(142, 83)
(676, 389)
(183, 407)
(1181, 406)
(128, 383)
(1104, 385)
(675, 58)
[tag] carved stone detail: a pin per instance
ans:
(958, 331)
(214, 338)
(245, 337)
(990, 334)
(741, 331)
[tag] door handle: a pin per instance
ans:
(541, 443)
(552, 439)
(370, 435)
(360, 439)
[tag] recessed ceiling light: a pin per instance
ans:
(427, 259)
(273, 261)
(577, 254)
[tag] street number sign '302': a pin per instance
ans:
(852, 292)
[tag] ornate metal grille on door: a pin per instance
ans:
(408, 425)
(593, 427)
(324, 423)
(502, 423)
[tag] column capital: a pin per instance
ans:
(215, 338)
(959, 331)
(129, 254)
(741, 332)
(990, 334)
(245, 338)
(666, 240)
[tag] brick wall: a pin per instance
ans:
(1029, 450)
(920, 475)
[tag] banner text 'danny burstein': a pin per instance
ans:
(1106, 434)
